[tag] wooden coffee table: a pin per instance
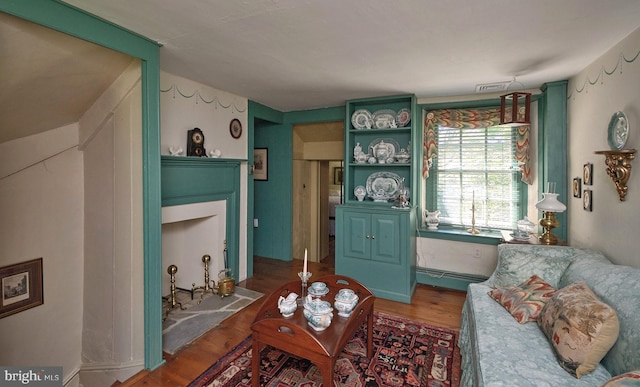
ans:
(294, 335)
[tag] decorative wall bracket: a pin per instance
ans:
(619, 168)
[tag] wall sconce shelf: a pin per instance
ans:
(619, 168)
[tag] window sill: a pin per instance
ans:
(486, 236)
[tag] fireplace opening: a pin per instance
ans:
(189, 232)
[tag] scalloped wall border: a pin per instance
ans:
(199, 97)
(602, 73)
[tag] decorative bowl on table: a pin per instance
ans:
(318, 313)
(318, 289)
(345, 301)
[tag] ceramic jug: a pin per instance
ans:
(288, 306)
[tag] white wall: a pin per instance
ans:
(610, 84)
(184, 105)
(41, 202)
(113, 318)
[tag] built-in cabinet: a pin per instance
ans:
(375, 233)
(378, 249)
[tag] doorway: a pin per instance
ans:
(317, 161)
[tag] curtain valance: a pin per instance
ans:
(470, 119)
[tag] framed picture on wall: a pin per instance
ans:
(261, 164)
(21, 287)
(577, 187)
(587, 200)
(587, 174)
(337, 175)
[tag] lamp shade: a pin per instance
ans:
(550, 203)
(515, 109)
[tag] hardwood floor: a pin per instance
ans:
(440, 307)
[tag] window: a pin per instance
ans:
(474, 165)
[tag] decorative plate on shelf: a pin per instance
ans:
(403, 117)
(360, 191)
(618, 131)
(382, 186)
(362, 119)
(385, 118)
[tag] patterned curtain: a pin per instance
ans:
(466, 119)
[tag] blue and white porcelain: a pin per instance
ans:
(345, 301)
(318, 289)
(288, 305)
(318, 313)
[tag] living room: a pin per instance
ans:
(608, 84)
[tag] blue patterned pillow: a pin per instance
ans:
(517, 264)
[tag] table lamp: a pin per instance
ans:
(549, 205)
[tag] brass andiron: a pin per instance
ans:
(206, 288)
(172, 300)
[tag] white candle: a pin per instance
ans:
(304, 268)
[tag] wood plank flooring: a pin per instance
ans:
(439, 307)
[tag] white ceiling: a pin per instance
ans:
(303, 54)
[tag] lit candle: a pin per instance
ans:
(304, 268)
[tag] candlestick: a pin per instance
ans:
(304, 277)
(304, 266)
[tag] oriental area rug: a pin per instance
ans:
(405, 353)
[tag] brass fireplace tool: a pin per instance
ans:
(226, 283)
(172, 300)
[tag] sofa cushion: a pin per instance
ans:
(619, 287)
(516, 263)
(526, 300)
(628, 379)
(497, 351)
(580, 327)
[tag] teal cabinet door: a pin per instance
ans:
(385, 238)
(357, 235)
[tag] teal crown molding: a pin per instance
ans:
(197, 96)
(602, 73)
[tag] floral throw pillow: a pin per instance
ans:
(629, 379)
(580, 327)
(526, 300)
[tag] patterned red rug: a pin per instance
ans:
(405, 353)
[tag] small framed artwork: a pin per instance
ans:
(235, 128)
(337, 175)
(21, 287)
(587, 174)
(587, 200)
(261, 164)
(577, 187)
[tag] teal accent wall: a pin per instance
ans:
(272, 200)
(73, 21)
(187, 180)
(552, 147)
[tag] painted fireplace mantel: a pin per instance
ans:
(187, 180)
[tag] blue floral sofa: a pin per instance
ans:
(497, 350)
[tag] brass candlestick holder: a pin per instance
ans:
(206, 287)
(473, 229)
(304, 278)
(172, 300)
